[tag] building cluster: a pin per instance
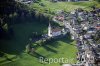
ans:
(83, 25)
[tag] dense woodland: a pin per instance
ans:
(12, 12)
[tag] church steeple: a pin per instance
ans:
(49, 30)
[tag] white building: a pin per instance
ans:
(52, 32)
(56, 32)
(90, 58)
(49, 30)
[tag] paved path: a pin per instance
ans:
(67, 25)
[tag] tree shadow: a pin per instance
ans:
(12, 47)
(37, 55)
(49, 49)
(8, 59)
(52, 42)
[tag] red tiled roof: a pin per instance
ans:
(97, 27)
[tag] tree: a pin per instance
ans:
(98, 1)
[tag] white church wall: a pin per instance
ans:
(56, 33)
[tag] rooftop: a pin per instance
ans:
(56, 29)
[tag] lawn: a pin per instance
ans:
(67, 6)
(59, 48)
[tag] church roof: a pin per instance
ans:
(56, 29)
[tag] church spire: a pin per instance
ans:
(49, 24)
(49, 30)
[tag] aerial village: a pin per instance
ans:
(82, 25)
(88, 50)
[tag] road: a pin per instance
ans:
(67, 25)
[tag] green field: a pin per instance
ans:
(66, 6)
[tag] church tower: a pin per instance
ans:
(49, 30)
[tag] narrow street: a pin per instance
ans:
(73, 33)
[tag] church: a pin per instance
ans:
(53, 32)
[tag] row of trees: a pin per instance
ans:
(97, 0)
